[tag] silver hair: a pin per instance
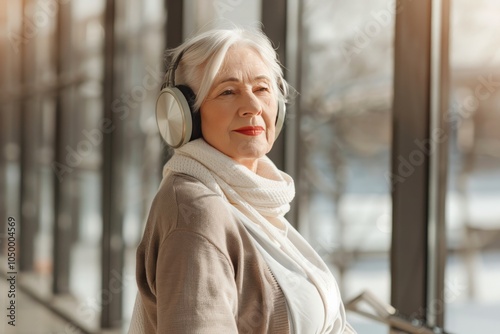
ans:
(202, 57)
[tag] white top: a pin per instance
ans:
(306, 311)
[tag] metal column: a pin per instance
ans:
(174, 25)
(274, 21)
(28, 184)
(438, 169)
(3, 125)
(62, 179)
(418, 84)
(174, 36)
(112, 215)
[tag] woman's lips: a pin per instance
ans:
(250, 130)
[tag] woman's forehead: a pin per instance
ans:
(242, 63)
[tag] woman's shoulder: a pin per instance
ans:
(187, 191)
(186, 204)
(181, 184)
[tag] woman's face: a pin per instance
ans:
(239, 113)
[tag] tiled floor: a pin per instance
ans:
(30, 317)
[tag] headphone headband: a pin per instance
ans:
(173, 68)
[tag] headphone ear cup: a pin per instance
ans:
(177, 122)
(195, 114)
(280, 117)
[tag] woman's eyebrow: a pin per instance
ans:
(233, 79)
(262, 77)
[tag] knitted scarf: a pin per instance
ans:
(261, 200)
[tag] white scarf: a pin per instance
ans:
(261, 200)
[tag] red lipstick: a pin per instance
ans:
(250, 130)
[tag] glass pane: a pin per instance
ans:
(473, 213)
(201, 14)
(38, 105)
(85, 145)
(345, 136)
(139, 75)
(10, 15)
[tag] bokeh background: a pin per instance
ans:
(80, 186)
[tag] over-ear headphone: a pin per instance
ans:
(177, 119)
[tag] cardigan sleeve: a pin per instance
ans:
(196, 290)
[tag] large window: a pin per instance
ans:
(345, 136)
(473, 267)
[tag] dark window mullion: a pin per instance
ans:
(410, 166)
(419, 159)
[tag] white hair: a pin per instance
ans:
(203, 55)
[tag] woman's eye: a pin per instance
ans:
(227, 92)
(263, 89)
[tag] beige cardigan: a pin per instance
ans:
(198, 270)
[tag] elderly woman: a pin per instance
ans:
(218, 255)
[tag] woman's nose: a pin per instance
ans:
(250, 105)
